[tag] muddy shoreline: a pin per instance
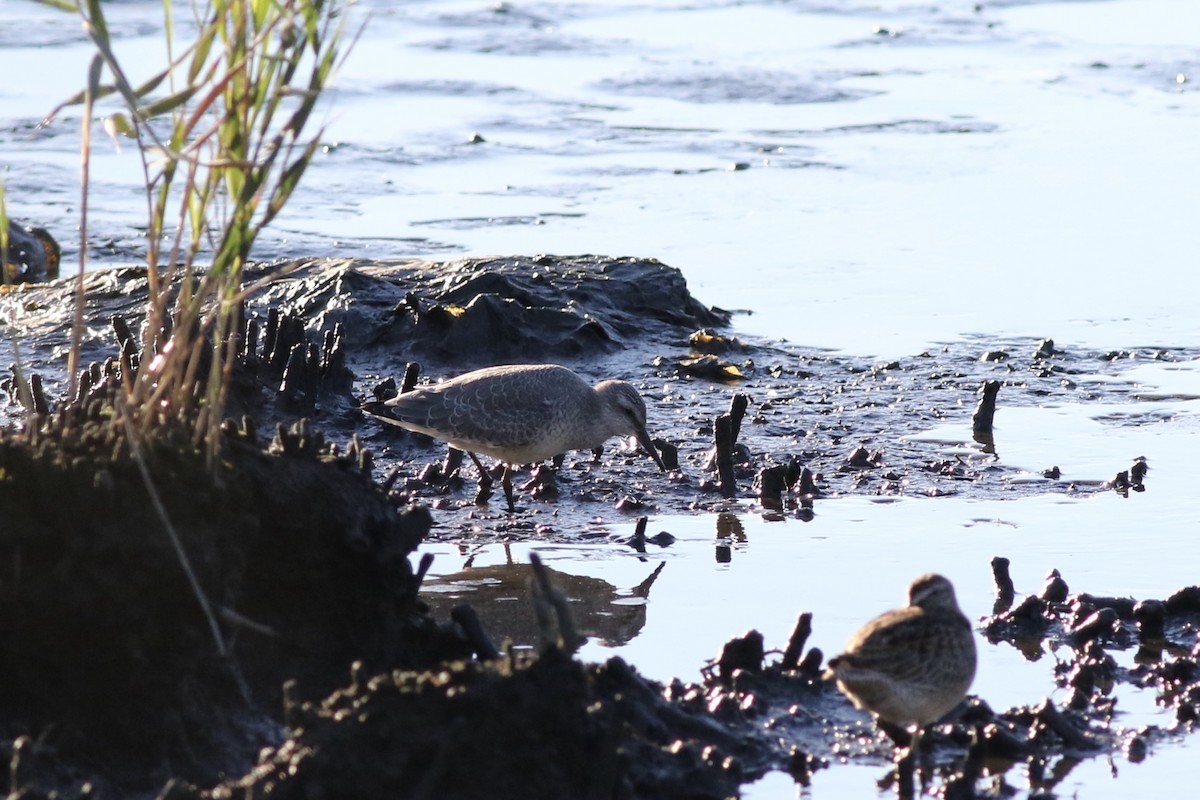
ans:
(854, 422)
(292, 582)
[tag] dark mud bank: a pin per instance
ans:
(110, 662)
(162, 624)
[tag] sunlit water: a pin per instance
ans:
(872, 178)
(855, 558)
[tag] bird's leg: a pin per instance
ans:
(914, 756)
(506, 482)
(485, 481)
(906, 764)
(904, 778)
(923, 761)
(485, 478)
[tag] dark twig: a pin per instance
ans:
(481, 643)
(724, 439)
(1005, 591)
(800, 634)
(546, 598)
(981, 421)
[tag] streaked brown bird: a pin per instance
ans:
(912, 665)
(520, 414)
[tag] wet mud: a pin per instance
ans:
(112, 676)
(350, 331)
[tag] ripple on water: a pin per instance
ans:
(917, 126)
(525, 43)
(502, 15)
(469, 223)
(737, 86)
(449, 88)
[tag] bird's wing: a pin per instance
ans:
(476, 415)
(894, 646)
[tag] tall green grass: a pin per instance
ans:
(221, 135)
(221, 131)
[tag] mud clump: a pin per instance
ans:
(108, 657)
(548, 727)
(1163, 636)
(479, 312)
(33, 255)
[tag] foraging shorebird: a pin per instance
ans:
(520, 414)
(911, 665)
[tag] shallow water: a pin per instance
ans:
(727, 573)
(873, 178)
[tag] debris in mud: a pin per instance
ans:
(707, 367)
(706, 340)
(801, 724)
(1132, 479)
(788, 705)
(545, 726)
(603, 728)
(1137, 473)
(1046, 349)
(639, 540)
(1166, 635)
(773, 480)
(726, 452)
(861, 458)
(1005, 591)
(305, 559)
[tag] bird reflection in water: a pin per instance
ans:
(500, 595)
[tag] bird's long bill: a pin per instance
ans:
(381, 412)
(644, 440)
